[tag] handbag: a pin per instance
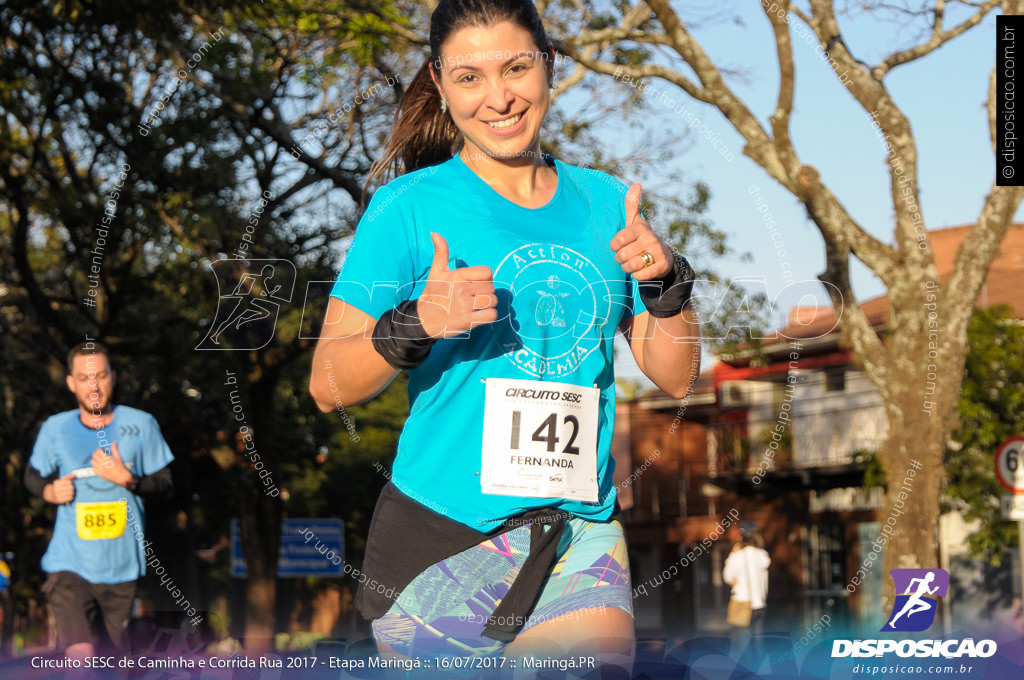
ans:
(739, 613)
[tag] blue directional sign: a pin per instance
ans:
(309, 547)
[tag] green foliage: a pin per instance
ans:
(296, 642)
(991, 408)
(75, 82)
(784, 450)
(627, 389)
(874, 471)
(336, 471)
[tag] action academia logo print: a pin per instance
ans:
(564, 301)
(914, 610)
(247, 315)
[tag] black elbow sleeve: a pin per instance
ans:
(158, 485)
(35, 481)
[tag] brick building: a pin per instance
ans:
(780, 437)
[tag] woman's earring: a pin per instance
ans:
(444, 104)
(553, 84)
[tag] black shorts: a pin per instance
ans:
(80, 606)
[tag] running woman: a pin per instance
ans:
(498, 277)
(94, 463)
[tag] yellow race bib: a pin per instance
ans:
(100, 520)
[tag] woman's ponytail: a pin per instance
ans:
(422, 135)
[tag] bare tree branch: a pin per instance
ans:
(636, 72)
(980, 245)
(574, 78)
(937, 39)
(851, 315)
(777, 156)
(982, 242)
(843, 236)
(281, 134)
(787, 85)
(868, 89)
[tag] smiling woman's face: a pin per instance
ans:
(496, 82)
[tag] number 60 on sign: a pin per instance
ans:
(1010, 464)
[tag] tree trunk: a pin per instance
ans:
(914, 476)
(14, 501)
(260, 597)
(260, 523)
(917, 365)
(914, 452)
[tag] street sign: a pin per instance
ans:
(298, 554)
(1013, 507)
(1010, 471)
(1010, 464)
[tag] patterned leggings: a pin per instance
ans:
(444, 610)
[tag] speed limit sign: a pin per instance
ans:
(1010, 464)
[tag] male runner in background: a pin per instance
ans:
(94, 462)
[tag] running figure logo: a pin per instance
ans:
(917, 596)
(246, 317)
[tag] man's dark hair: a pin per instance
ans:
(88, 347)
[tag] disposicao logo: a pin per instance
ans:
(914, 610)
(917, 596)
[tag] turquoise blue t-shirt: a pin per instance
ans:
(561, 296)
(64, 444)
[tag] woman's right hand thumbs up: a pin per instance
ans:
(455, 300)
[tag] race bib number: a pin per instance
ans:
(100, 520)
(540, 440)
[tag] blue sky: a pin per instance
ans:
(943, 95)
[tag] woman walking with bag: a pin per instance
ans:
(746, 570)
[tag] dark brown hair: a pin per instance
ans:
(752, 539)
(88, 347)
(422, 135)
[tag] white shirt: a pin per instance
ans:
(749, 569)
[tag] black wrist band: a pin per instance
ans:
(399, 337)
(668, 295)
